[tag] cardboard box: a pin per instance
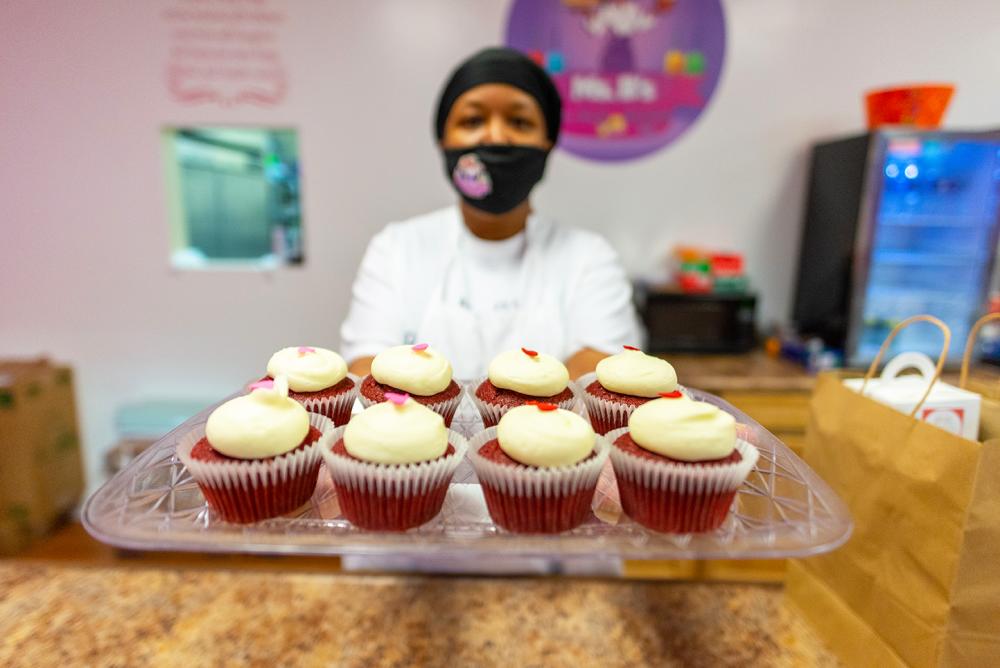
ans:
(951, 408)
(41, 467)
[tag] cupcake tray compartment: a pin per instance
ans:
(782, 510)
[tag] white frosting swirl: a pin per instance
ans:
(537, 376)
(308, 369)
(387, 433)
(545, 438)
(420, 372)
(635, 373)
(264, 423)
(683, 429)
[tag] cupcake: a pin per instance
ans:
(679, 464)
(623, 382)
(317, 379)
(517, 377)
(258, 455)
(538, 468)
(419, 371)
(392, 464)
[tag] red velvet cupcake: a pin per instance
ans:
(392, 464)
(679, 464)
(538, 469)
(258, 455)
(317, 379)
(622, 383)
(517, 377)
(418, 371)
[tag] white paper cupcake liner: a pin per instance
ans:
(677, 481)
(537, 499)
(491, 414)
(536, 481)
(445, 409)
(392, 497)
(682, 478)
(243, 486)
(606, 415)
(333, 406)
(399, 479)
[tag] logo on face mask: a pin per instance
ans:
(471, 178)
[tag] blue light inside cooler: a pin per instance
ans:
(933, 241)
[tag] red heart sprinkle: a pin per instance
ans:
(630, 348)
(398, 398)
(543, 406)
(529, 353)
(676, 394)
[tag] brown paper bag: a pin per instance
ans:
(41, 469)
(918, 583)
(989, 420)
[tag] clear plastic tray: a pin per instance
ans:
(783, 510)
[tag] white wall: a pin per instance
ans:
(83, 255)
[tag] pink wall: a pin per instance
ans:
(84, 271)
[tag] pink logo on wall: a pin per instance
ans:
(225, 53)
(634, 75)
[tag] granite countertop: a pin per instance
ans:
(54, 614)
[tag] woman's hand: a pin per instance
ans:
(361, 367)
(583, 361)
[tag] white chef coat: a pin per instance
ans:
(430, 280)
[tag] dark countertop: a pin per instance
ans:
(52, 614)
(754, 371)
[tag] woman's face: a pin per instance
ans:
(495, 114)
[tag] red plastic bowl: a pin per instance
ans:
(920, 106)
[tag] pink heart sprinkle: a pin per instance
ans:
(420, 347)
(397, 398)
(262, 385)
(306, 349)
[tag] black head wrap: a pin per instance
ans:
(503, 66)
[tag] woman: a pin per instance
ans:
(490, 274)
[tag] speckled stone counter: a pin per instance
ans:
(68, 616)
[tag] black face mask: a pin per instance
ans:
(495, 177)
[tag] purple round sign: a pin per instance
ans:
(633, 74)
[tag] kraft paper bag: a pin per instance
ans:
(918, 583)
(989, 421)
(41, 469)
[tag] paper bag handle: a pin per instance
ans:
(909, 360)
(941, 357)
(970, 344)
